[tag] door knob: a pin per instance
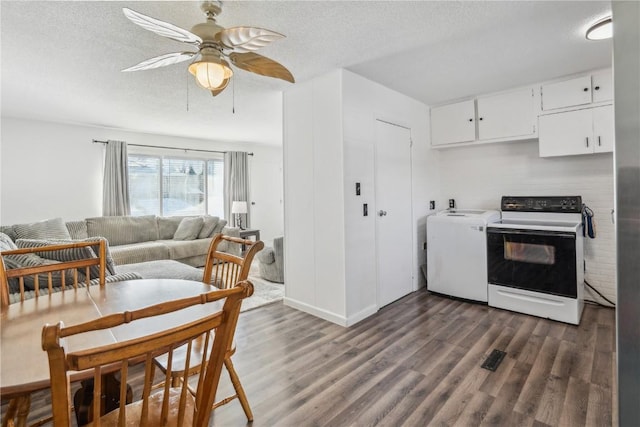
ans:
(382, 213)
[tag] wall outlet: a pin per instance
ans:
(432, 204)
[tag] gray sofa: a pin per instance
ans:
(136, 239)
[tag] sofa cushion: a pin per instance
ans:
(179, 249)
(77, 229)
(188, 228)
(139, 252)
(124, 230)
(167, 226)
(163, 269)
(71, 254)
(209, 224)
(48, 229)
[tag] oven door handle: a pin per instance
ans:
(491, 230)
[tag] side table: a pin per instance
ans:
(248, 232)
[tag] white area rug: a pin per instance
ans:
(264, 291)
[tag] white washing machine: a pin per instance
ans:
(457, 252)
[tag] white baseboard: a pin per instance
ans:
(315, 311)
(363, 314)
(327, 315)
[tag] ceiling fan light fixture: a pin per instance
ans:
(211, 72)
(601, 30)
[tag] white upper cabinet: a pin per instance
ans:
(602, 84)
(453, 123)
(506, 115)
(585, 131)
(503, 116)
(578, 91)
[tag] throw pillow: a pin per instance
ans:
(219, 227)
(189, 228)
(48, 229)
(209, 224)
(6, 244)
(32, 260)
(71, 254)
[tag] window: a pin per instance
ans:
(168, 186)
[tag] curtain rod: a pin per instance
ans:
(95, 141)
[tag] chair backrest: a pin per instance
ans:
(88, 257)
(167, 406)
(224, 269)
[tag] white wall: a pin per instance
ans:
(314, 217)
(477, 176)
(330, 260)
(54, 170)
(364, 103)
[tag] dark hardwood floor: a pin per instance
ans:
(416, 363)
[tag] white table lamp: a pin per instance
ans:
(238, 208)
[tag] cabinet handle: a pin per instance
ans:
(470, 120)
(480, 118)
(586, 89)
(599, 142)
(587, 139)
(597, 88)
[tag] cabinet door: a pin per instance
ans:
(567, 133)
(566, 93)
(603, 133)
(506, 115)
(602, 86)
(453, 123)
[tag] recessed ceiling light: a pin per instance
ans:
(601, 30)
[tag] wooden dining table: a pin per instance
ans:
(24, 367)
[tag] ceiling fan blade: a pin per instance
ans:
(224, 85)
(262, 65)
(162, 28)
(247, 39)
(162, 61)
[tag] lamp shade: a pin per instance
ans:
(239, 207)
(210, 70)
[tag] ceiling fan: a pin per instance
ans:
(215, 43)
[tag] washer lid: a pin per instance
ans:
(490, 215)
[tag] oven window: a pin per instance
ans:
(535, 260)
(528, 252)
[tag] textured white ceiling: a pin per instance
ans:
(61, 61)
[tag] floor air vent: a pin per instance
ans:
(493, 361)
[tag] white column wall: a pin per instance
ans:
(54, 170)
(365, 102)
(330, 259)
(314, 201)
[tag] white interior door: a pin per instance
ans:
(394, 231)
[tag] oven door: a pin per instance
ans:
(535, 260)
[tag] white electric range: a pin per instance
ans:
(535, 258)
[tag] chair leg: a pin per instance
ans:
(18, 411)
(235, 380)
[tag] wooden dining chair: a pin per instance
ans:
(43, 279)
(171, 406)
(224, 270)
(46, 277)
